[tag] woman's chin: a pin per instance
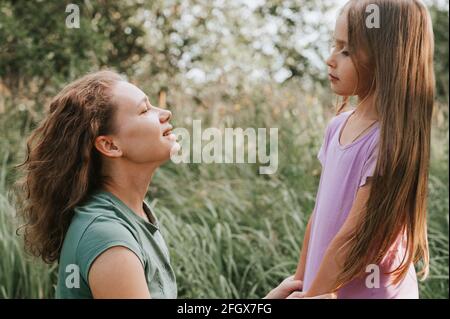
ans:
(169, 140)
(174, 149)
(166, 148)
(171, 147)
(171, 137)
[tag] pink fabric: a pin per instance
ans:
(344, 170)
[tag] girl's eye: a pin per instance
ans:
(144, 111)
(346, 53)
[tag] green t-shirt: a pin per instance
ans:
(104, 221)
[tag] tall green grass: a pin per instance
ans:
(20, 275)
(233, 233)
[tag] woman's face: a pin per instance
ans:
(142, 132)
(341, 70)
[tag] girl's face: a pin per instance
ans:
(142, 131)
(341, 70)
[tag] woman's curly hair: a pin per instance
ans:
(62, 165)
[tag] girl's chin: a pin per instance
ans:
(339, 92)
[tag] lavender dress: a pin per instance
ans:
(344, 170)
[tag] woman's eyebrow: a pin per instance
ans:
(144, 99)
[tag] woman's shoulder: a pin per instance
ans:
(92, 235)
(104, 228)
(94, 225)
(93, 209)
(98, 219)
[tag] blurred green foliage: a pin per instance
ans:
(37, 49)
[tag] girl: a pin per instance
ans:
(88, 168)
(368, 227)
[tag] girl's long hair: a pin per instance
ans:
(400, 57)
(62, 166)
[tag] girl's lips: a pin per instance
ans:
(332, 78)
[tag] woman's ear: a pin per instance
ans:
(107, 146)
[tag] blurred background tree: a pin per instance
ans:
(199, 40)
(39, 54)
(185, 45)
(38, 51)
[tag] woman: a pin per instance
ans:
(88, 168)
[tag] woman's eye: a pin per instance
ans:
(346, 53)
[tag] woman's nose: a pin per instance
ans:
(164, 115)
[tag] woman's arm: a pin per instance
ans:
(118, 273)
(335, 257)
(286, 288)
(300, 272)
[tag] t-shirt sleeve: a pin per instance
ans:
(369, 165)
(103, 233)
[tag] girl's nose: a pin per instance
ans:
(331, 62)
(164, 115)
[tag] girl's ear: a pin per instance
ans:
(107, 146)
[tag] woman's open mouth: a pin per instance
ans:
(168, 134)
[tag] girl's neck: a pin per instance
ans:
(365, 109)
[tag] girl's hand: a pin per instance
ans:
(301, 295)
(284, 289)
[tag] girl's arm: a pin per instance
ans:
(300, 272)
(334, 257)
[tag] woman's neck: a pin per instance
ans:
(130, 185)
